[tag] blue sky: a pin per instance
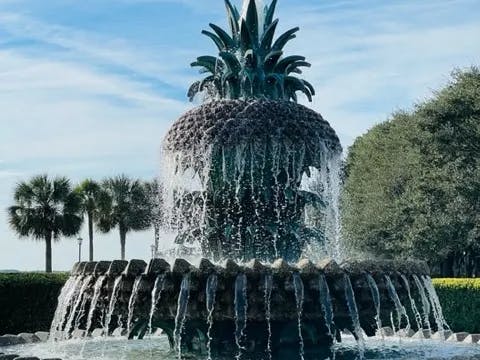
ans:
(88, 88)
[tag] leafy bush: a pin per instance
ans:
(460, 299)
(28, 301)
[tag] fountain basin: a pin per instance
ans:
(249, 308)
(392, 348)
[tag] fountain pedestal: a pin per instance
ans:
(250, 309)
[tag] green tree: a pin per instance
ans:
(89, 191)
(123, 203)
(449, 190)
(413, 183)
(381, 168)
(46, 209)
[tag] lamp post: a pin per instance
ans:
(79, 249)
(154, 251)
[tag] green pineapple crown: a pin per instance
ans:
(250, 63)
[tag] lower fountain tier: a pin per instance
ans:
(253, 307)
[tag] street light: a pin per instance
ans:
(154, 251)
(79, 249)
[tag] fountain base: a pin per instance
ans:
(252, 310)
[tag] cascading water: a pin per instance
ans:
(299, 298)
(64, 303)
(218, 305)
(425, 302)
(413, 304)
(112, 303)
(353, 310)
(437, 308)
(76, 308)
(334, 248)
(131, 303)
(81, 312)
(180, 318)
(400, 309)
(376, 299)
(268, 284)
(93, 306)
(326, 303)
(241, 305)
(211, 292)
(244, 198)
(157, 290)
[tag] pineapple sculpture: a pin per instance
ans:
(249, 147)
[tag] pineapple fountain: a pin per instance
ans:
(251, 180)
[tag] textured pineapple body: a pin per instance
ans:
(251, 157)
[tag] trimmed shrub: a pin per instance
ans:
(460, 299)
(28, 301)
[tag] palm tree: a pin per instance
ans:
(89, 191)
(46, 209)
(123, 203)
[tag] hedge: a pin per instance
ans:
(460, 299)
(28, 301)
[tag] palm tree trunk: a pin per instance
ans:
(90, 234)
(48, 252)
(123, 238)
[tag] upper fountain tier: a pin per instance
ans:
(252, 179)
(235, 168)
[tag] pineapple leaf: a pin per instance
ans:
(307, 93)
(284, 39)
(233, 18)
(294, 67)
(286, 62)
(220, 44)
(208, 62)
(252, 21)
(294, 83)
(245, 37)
(270, 13)
(231, 61)
(222, 34)
(206, 82)
(193, 90)
(248, 65)
(309, 86)
(293, 96)
(267, 38)
(250, 59)
(228, 76)
(271, 60)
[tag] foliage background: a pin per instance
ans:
(412, 184)
(460, 299)
(28, 301)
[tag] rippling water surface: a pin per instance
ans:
(159, 349)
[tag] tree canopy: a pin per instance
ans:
(46, 209)
(123, 203)
(412, 184)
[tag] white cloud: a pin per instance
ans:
(380, 59)
(97, 49)
(9, 174)
(55, 105)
